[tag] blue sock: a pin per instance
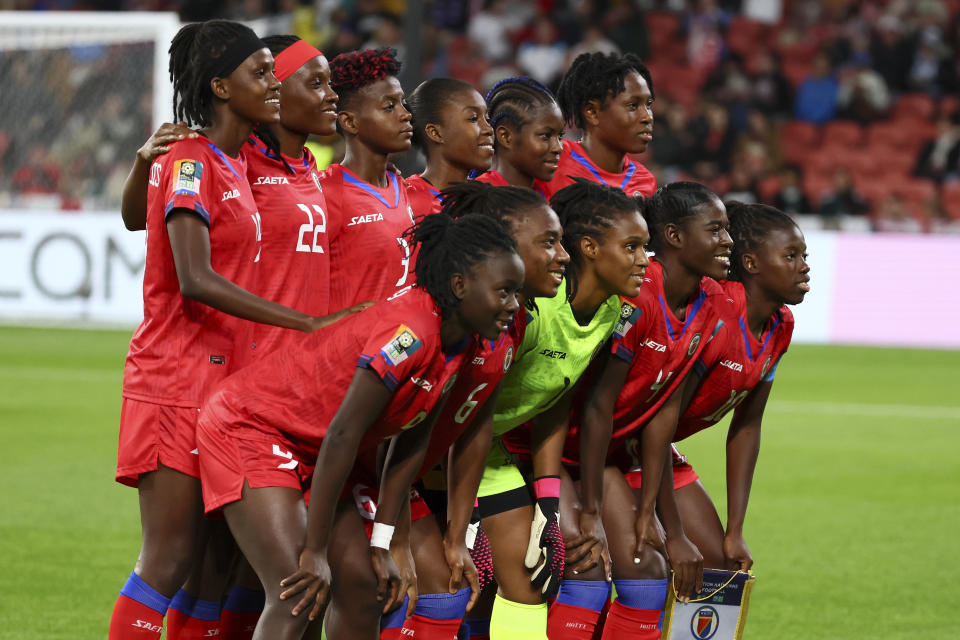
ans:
(394, 620)
(206, 610)
(443, 606)
(183, 602)
(642, 594)
(587, 594)
(137, 589)
(245, 600)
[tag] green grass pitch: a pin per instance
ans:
(853, 522)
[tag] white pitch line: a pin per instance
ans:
(862, 409)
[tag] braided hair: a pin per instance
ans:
(587, 208)
(447, 246)
(749, 226)
(596, 76)
(672, 203)
(511, 99)
(351, 72)
(194, 52)
(426, 103)
(503, 204)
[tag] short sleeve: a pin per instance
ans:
(773, 370)
(394, 351)
(627, 331)
(187, 184)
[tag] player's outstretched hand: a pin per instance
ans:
(589, 548)
(403, 557)
(546, 545)
(687, 563)
(389, 579)
(312, 579)
(736, 552)
(462, 569)
(158, 143)
(319, 322)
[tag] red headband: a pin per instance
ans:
(292, 58)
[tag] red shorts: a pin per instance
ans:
(683, 473)
(228, 458)
(365, 499)
(155, 434)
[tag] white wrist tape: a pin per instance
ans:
(382, 535)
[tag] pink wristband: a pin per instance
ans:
(547, 487)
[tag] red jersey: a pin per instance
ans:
(634, 180)
(424, 198)
(295, 256)
(183, 348)
(369, 256)
(734, 362)
(496, 179)
(660, 349)
(296, 391)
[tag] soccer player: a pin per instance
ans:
(466, 422)
(450, 127)
(609, 98)
(367, 204)
(203, 248)
(660, 335)
(604, 234)
(528, 128)
(298, 417)
(768, 270)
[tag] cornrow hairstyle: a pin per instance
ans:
(587, 208)
(672, 203)
(194, 55)
(350, 72)
(596, 76)
(446, 246)
(749, 226)
(502, 204)
(428, 101)
(511, 99)
(261, 130)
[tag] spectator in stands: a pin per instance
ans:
(675, 145)
(939, 217)
(730, 86)
(863, 95)
(743, 188)
(891, 52)
(817, 95)
(758, 146)
(544, 58)
(770, 91)
(843, 199)
(791, 198)
(894, 217)
(713, 135)
(492, 30)
(940, 158)
(593, 40)
(704, 26)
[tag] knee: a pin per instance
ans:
(167, 563)
(651, 565)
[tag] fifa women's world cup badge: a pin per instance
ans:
(629, 314)
(186, 176)
(403, 343)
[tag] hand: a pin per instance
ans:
(388, 579)
(157, 144)
(546, 544)
(318, 322)
(461, 569)
(687, 563)
(480, 552)
(649, 533)
(736, 552)
(313, 578)
(589, 548)
(403, 557)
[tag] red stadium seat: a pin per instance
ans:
(663, 23)
(918, 106)
(768, 188)
(815, 186)
(901, 136)
(951, 199)
(802, 51)
(798, 132)
(796, 71)
(949, 105)
(743, 34)
(842, 133)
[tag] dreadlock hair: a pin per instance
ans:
(427, 101)
(261, 130)
(587, 208)
(446, 246)
(194, 52)
(596, 76)
(511, 99)
(350, 72)
(672, 203)
(749, 226)
(503, 204)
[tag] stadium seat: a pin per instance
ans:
(949, 105)
(768, 188)
(799, 132)
(743, 34)
(796, 71)
(951, 199)
(918, 106)
(842, 133)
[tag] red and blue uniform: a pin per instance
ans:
(634, 180)
(424, 198)
(266, 424)
(370, 258)
(183, 348)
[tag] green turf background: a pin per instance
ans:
(853, 523)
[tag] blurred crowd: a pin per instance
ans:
(844, 108)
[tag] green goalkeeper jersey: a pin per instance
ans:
(554, 353)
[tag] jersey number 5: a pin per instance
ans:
(305, 229)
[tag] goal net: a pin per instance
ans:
(79, 93)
